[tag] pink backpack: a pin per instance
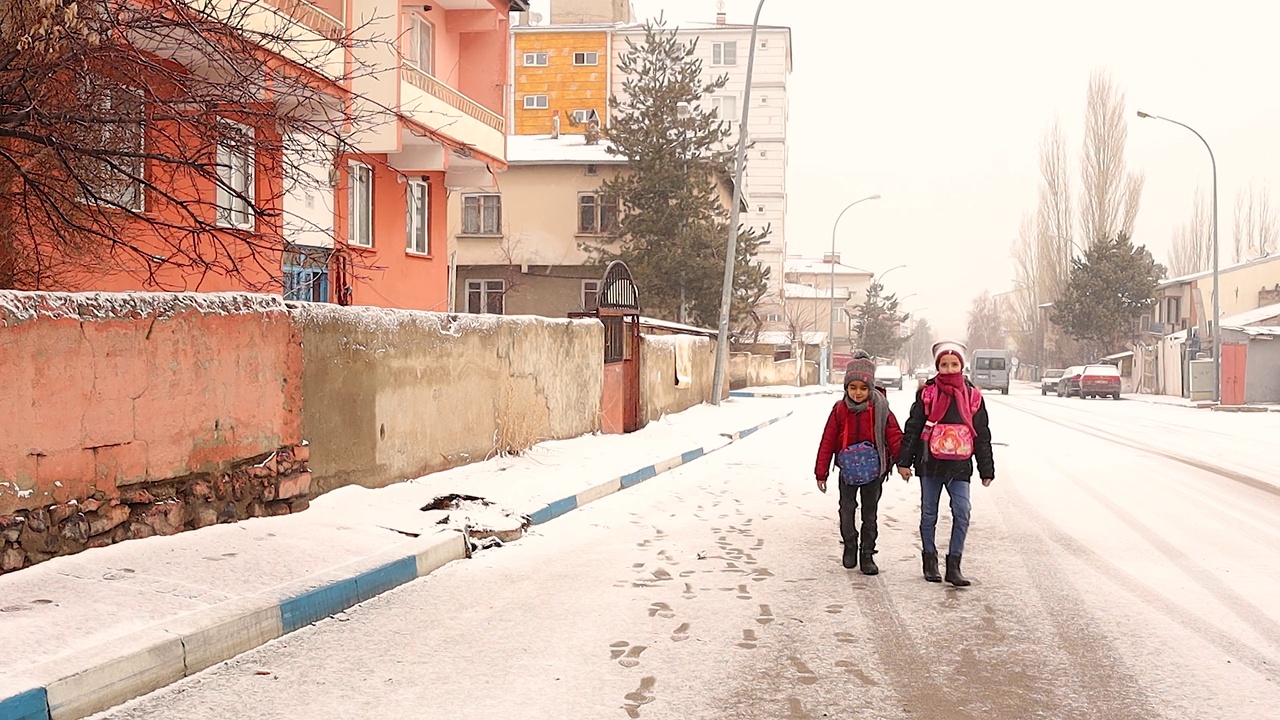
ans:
(949, 441)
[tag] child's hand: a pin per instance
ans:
(905, 472)
(822, 485)
(986, 482)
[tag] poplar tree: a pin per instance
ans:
(672, 226)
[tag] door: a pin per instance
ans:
(1234, 356)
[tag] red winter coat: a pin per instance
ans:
(845, 428)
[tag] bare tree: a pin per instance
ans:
(984, 326)
(162, 135)
(1192, 249)
(1110, 194)
(1255, 224)
(1055, 221)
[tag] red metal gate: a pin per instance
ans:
(618, 308)
(1234, 356)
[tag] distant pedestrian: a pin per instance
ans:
(864, 437)
(946, 432)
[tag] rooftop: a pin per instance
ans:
(1255, 316)
(809, 266)
(799, 290)
(564, 150)
(1209, 273)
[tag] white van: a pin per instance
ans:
(991, 370)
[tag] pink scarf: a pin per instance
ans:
(954, 389)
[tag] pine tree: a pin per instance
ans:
(1110, 288)
(877, 323)
(672, 228)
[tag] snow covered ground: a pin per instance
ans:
(1109, 582)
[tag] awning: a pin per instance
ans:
(1119, 355)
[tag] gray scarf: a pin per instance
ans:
(880, 407)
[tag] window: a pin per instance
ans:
(764, 44)
(236, 195)
(418, 218)
(592, 170)
(586, 58)
(535, 102)
(306, 274)
(486, 296)
(773, 317)
(535, 59)
(989, 363)
(116, 179)
(725, 107)
(582, 117)
(482, 215)
(421, 44)
(360, 205)
(724, 53)
(597, 215)
(590, 295)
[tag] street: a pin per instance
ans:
(1109, 582)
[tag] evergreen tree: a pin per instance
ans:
(672, 228)
(877, 323)
(1110, 288)
(920, 349)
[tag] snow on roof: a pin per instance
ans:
(656, 324)
(808, 266)
(1209, 273)
(699, 26)
(783, 337)
(1256, 330)
(1255, 316)
(564, 150)
(797, 290)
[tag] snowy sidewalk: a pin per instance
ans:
(88, 631)
(785, 391)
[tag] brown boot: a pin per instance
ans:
(953, 572)
(931, 566)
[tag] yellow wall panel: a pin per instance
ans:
(568, 87)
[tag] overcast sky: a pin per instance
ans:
(940, 107)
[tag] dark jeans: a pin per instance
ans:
(849, 508)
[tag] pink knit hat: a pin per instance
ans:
(949, 347)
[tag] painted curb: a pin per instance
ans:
(172, 653)
(751, 393)
(564, 505)
(168, 654)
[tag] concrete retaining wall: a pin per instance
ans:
(659, 392)
(747, 370)
(396, 394)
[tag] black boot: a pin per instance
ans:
(850, 559)
(953, 571)
(931, 566)
(868, 564)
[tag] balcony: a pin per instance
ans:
(445, 110)
(296, 30)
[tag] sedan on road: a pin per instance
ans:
(1100, 381)
(889, 376)
(1049, 381)
(1069, 383)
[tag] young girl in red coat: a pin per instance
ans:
(861, 416)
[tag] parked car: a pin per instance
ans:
(889, 376)
(991, 370)
(1049, 381)
(1069, 383)
(923, 374)
(1100, 381)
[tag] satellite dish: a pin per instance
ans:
(536, 18)
(720, 5)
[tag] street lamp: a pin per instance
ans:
(731, 249)
(831, 316)
(886, 272)
(1217, 331)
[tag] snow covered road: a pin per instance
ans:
(1109, 582)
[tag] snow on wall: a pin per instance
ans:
(20, 307)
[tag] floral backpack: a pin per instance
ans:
(859, 463)
(949, 441)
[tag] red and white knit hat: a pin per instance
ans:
(949, 347)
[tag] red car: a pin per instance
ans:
(1100, 381)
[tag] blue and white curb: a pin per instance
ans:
(182, 647)
(555, 509)
(787, 395)
(165, 654)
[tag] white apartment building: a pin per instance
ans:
(723, 49)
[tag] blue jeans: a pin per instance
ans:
(930, 495)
